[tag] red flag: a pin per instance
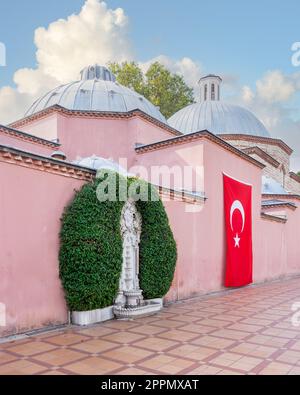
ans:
(238, 224)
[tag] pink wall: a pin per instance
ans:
(278, 246)
(45, 127)
(30, 211)
(21, 144)
(109, 138)
(200, 235)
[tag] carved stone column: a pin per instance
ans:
(130, 294)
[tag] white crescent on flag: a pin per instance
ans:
(237, 205)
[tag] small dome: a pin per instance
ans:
(96, 163)
(217, 117)
(214, 115)
(96, 91)
(269, 185)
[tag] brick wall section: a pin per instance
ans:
(277, 153)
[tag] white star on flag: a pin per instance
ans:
(237, 241)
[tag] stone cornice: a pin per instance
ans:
(187, 138)
(95, 114)
(262, 154)
(273, 218)
(280, 205)
(27, 137)
(182, 196)
(294, 176)
(280, 196)
(258, 139)
(37, 162)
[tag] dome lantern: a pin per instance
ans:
(96, 72)
(210, 87)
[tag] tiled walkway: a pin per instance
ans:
(248, 331)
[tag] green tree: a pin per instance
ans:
(298, 174)
(129, 74)
(164, 89)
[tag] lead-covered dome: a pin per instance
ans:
(216, 116)
(96, 91)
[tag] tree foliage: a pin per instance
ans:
(164, 89)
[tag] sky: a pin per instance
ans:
(247, 43)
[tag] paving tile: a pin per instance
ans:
(31, 348)
(246, 331)
(121, 337)
(192, 352)
(21, 367)
(178, 335)
(66, 339)
(127, 354)
(276, 368)
(95, 345)
(5, 357)
(93, 366)
(167, 364)
(59, 357)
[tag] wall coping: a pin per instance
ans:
(258, 139)
(273, 218)
(262, 154)
(95, 114)
(187, 138)
(280, 196)
(27, 137)
(271, 204)
(294, 176)
(42, 163)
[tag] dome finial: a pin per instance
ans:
(96, 72)
(210, 87)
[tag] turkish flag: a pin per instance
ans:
(238, 225)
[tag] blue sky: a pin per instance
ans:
(248, 43)
(236, 37)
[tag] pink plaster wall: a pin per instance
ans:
(24, 145)
(109, 138)
(31, 204)
(46, 127)
(278, 246)
(200, 235)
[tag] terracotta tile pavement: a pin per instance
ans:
(245, 331)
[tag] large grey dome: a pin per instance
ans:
(217, 117)
(96, 91)
(214, 115)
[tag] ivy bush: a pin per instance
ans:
(90, 256)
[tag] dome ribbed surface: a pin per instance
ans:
(96, 91)
(219, 118)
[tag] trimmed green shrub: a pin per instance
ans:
(91, 247)
(158, 251)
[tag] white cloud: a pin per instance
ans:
(271, 103)
(96, 34)
(275, 87)
(247, 94)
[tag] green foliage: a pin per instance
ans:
(91, 250)
(91, 246)
(164, 89)
(158, 251)
(129, 74)
(298, 174)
